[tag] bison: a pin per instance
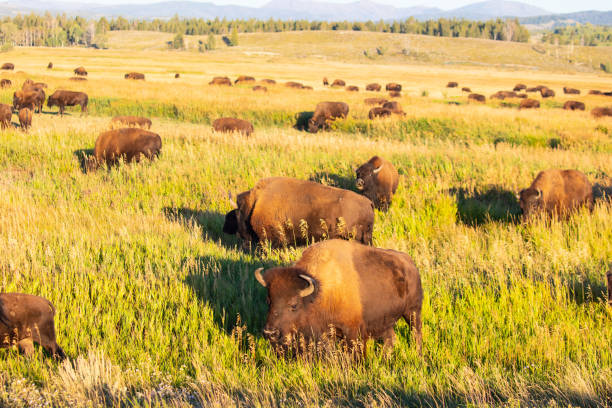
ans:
(353, 291)
(571, 91)
(519, 87)
(294, 85)
(244, 79)
(477, 98)
(135, 76)
(379, 112)
(5, 83)
(50, 65)
(260, 88)
(268, 81)
(29, 98)
(338, 83)
(532, 90)
(556, 192)
(378, 180)
(130, 121)
(129, 144)
(233, 125)
(28, 319)
(373, 87)
(63, 98)
(394, 107)
(325, 81)
(6, 114)
(307, 87)
(80, 71)
(224, 81)
(392, 86)
(466, 89)
(25, 118)
(325, 112)
(529, 104)
(352, 88)
(285, 211)
(395, 94)
(374, 101)
(8, 66)
(547, 93)
(573, 105)
(594, 92)
(600, 112)
(177, 75)
(452, 84)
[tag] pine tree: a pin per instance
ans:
(234, 37)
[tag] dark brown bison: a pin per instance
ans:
(63, 98)
(392, 86)
(338, 83)
(532, 90)
(28, 319)
(355, 291)
(608, 93)
(294, 85)
(379, 112)
(556, 192)
(129, 144)
(224, 81)
(29, 98)
(519, 87)
(378, 180)
(260, 88)
(287, 211)
(395, 94)
(373, 87)
(177, 75)
(25, 118)
(547, 93)
(477, 98)
(50, 65)
(8, 66)
(325, 112)
(609, 278)
(325, 81)
(352, 88)
(136, 121)
(80, 71)
(466, 89)
(394, 107)
(6, 114)
(529, 104)
(244, 79)
(374, 101)
(135, 76)
(5, 83)
(573, 105)
(452, 85)
(594, 92)
(268, 81)
(571, 91)
(77, 79)
(229, 125)
(601, 112)
(503, 95)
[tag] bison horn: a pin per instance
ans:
(260, 278)
(376, 171)
(311, 286)
(232, 202)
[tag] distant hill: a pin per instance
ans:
(593, 17)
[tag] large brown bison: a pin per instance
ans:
(452, 84)
(177, 75)
(373, 87)
(244, 79)
(519, 87)
(8, 66)
(477, 98)
(268, 81)
(25, 118)
(6, 114)
(547, 93)
(609, 278)
(394, 107)
(529, 104)
(601, 112)
(355, 291)
(338, 83)
(259, 88)
(28, 319)
(63, 98)
(466, 89)
(503, 95)
(556, 192)
(573, 105)
(594, 92)
(294, 85)
(130, 121)
(571, 91)
(29, 98)
(229, 125)
(224, 81)
(392, 86)
(325, 112)
(80, 71)
(352, 88)
(379, 112)
(129, 144)
(135, 76)
(5, 83)
(374, 101)
(378, 180)
(287, 211)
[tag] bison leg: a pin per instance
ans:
(413, 318)
(26, 346)
(61, 111)
(389, 339)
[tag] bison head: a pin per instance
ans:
(230, 226)
(289, 293)
(366, 174)
(313, 125)
(530, 200)
(51, 102)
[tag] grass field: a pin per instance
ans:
(156, 306)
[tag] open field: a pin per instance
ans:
(156, 306)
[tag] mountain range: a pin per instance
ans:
(360, 10)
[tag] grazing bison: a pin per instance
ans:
(268, 81)
(529, 104)
(378, 180)
(395, 94)
(503, 95)
(136, 121)
(63, 98)
(375, 101)
(352, 88)
(80, 71)
(600, 112)
(572, 91)
(224, 81)
(477, 98)
(556, 192)
(547, 93)
(129, 144)
(25, 118)
(466, 89)
(325, 112)
(609, 277)
(394, 107)
(452, 85)
(373, 87)
(135, 76)
(392, 86)
(177, 75)
(233, 125)
(260, 88)
(6, 114)
(325, 81)
(287, 211)
(379, 112)
(28, 319)
(244, 79)
(573, 105)
(594, 92)
(8, 66)
(355, 291)
(338, 83)
(294, 85)
(5, 83)
(29, 98)
(519, 87)
(50, 65)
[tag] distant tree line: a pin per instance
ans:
(60, 30)
(579, 34)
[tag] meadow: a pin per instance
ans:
(157, 307)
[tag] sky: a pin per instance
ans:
(556, 6)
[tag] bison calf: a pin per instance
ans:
(228, 125)
(129, 144)
(378, 180)
(132, 121)
(28, 319)
(25, 118)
